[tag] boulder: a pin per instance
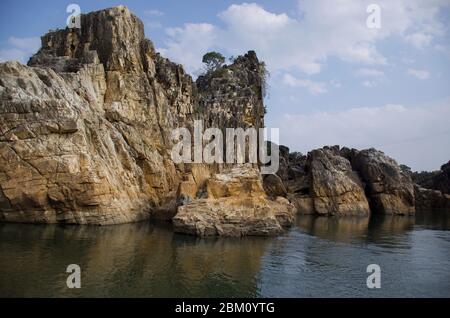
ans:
(389, 189)
(273, 185)
(335, 188)
(236, 206)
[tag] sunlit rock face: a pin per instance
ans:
(85, 138)
(85, 128)
(236, 205)
(335, 188)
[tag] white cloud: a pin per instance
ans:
(20, 49)
(253, 18)
(321, 30)
(188, 44)
(419, 74)
(418, 137)
(314, 88)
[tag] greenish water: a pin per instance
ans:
(319, 257)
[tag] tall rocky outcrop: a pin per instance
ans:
(85, 128)
(233, 95)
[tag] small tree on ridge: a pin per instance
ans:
(213, 61)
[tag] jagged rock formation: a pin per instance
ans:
(334, 181)
(239, 86)
(335, 186)
(85, 129)
(85, 138)
(389, 189)
(225, 211)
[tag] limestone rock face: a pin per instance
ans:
(335, 187)
(303, 203)
(85, 128)
(335, 181)
(57, 157)
(242, 81)
(273, 185)
(389, 189)
(236, 206)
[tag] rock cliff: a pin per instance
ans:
(85, 128)
(85, 138)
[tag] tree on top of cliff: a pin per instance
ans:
(213, 61)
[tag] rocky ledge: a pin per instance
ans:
(235, 205)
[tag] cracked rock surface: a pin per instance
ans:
(85, 127)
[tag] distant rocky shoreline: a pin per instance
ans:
(85, 138)
(343, 181)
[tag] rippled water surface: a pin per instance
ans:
(319, 257)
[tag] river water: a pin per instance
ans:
(318, 257)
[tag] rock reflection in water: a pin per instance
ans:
(131, 260)
(343, 229)
(375, 229)
(320, 257)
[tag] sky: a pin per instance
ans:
(333, 80)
